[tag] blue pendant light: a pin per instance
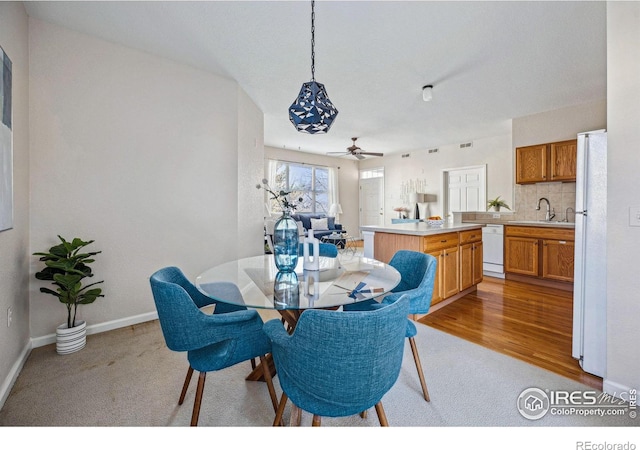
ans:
(312, 112)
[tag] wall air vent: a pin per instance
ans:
(406, 155)
(433, 150)
(466, 145)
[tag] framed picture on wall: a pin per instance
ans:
(6, 144)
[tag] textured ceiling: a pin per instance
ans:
(489, 62)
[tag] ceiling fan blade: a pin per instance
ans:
(339, 153)
(372, 154)
(358, 155)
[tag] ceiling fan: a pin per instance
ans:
(356, 151)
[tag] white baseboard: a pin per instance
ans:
(616, 389)
(99, 328)
(11, 378)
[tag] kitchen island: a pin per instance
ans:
(457, 247)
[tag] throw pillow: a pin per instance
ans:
(319, 224)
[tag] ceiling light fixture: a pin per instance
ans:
(427, 92)
(312, 112)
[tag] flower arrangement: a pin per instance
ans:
(282, 197)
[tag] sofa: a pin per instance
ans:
(305, 218)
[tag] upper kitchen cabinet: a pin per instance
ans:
(542, 163)
(562, 157)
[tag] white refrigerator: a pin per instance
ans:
(590, 265)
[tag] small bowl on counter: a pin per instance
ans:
(435, 223)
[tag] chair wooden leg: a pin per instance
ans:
(277, 422)
(316, 421)
(253, 363)
(382, 417)
(296, 415)
(185, 386)
(363, 414)
(414, 350)
(198, 400)
(267, 377)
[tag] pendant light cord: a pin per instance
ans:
(313, 41)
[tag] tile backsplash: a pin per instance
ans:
(560, 195)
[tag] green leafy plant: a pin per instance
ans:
(497, 204)
(66, 267)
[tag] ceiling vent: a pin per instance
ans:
(433, 150)
(406, 155)
(466, 145)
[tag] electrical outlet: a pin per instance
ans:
(634, 217)
(9, 316)
(496, 216)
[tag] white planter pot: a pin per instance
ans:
(69, 340)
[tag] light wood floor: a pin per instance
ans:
(528, 322)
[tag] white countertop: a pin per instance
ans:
(420, 228)
(541, 223)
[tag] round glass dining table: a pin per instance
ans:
(336, 282)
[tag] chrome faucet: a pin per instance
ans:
(549, 215)
(566, 213)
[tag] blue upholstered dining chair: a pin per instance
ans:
(230, 335)
(418, 275)
(326, 249)
(336, 364)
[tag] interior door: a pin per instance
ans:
(372, 201)
(465, 189)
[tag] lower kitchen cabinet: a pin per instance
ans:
(471, 259)
(557, 259)
(544, 253)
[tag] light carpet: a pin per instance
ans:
(128, 377)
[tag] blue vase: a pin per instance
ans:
(286, 291)
(285, 243)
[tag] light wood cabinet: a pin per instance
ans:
(554, 161)
(563, 159)
(557, 259)
(458, 255)
(531, 164)
(385, 245)
(541, 252)
(470, 258)
(444, 247)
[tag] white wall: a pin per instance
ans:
(14, 243)
(495, 152)
(553, 126)
(560, 124)
(623, 166)
(250, 171)
(347, 181)
(139, 153)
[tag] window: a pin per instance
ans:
(372, 173)
(313, 184)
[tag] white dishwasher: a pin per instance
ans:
(493, 250)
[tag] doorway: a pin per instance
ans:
(372, 197)
(465, 189)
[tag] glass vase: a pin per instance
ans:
(286, 291)
(285, 243)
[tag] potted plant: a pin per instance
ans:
(496, 204)
(67, 267)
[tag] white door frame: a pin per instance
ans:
(380, 200)
(482, 200)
